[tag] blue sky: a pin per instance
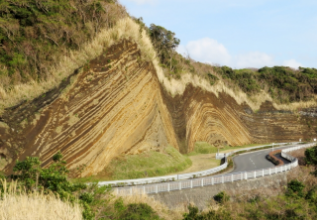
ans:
(238, 33)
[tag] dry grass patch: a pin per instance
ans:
(17, 205)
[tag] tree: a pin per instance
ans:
(27, 172)
(163, 40)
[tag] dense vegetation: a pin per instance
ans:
(283, 83)
(34, 34)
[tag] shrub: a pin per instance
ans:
(312, 196)
(134, 211)
(295, 187)
(139, 211)
(194, 214)
(52, 179)
(221, 197)
(311, 157)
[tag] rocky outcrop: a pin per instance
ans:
(116, 105)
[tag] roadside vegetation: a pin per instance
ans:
(16, 203)
(32, 185)
(33, 192)
(147, 164)
(165, 162)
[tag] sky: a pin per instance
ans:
(237, 33)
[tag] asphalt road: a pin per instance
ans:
(255, 160)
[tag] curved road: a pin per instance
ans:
(255, 160)
(250, 161)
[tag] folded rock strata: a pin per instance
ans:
(116, 105)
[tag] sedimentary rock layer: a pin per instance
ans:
(113, 107)
(116, 105)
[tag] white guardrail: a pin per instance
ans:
(169, 178)
(175, 177)
(212, 180)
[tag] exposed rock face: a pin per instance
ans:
(201, 116)
(116, 105)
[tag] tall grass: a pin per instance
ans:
(16, 205)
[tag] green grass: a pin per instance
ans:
(149, 164)
(205, 148)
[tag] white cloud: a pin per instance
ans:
(211, 51)
(253, 59)
(207, 50)
(292, 63)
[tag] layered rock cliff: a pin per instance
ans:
(118, 104)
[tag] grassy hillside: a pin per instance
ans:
(284, 84)
(35, 35)
(147, 164)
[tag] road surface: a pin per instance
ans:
(255, 160)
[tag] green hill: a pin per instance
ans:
(36, 34)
